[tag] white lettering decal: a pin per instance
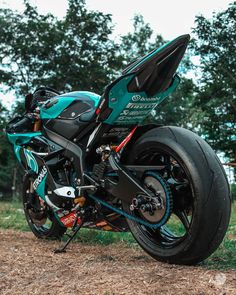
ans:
(38, 180)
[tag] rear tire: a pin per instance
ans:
(43, 225)
(205, 195)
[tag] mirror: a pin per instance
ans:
(28, 102)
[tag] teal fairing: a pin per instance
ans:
(18, 139)
(145, 83)
(133, 107)
(22, 138)
(61, 102)
(41, 187)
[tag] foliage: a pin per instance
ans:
(215, 41)
(233, 191)
(66, 54)
(139, 42)
(178, 109)
(7, 161)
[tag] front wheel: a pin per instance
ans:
(199, 194)
(39, 216)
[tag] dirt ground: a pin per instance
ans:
(28, 266)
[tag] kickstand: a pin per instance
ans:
(63, 249)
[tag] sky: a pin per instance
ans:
(167, 18)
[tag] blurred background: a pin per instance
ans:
(83, 45)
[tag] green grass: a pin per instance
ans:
(12, 216)
(225, 255)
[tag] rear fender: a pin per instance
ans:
(137, 134)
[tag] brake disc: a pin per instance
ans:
(160, 189)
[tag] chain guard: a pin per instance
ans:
(166, 216)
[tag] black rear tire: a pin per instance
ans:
(207, 197)
(47, 226)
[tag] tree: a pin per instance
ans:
(139, 42)
(74, 53)
(7, 162)
(176, 109)
(69, 54)
(214, 43)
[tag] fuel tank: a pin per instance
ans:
(69, 113)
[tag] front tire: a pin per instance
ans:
(39, 216)
(200, 191)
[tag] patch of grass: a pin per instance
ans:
(225, 255)
(99, 237)
(12, 216)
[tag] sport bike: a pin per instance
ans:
(91, 161)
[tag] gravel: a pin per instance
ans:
(29, 266)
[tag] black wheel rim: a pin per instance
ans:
(39, 216)
(176, 175)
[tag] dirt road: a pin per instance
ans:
(28, 266)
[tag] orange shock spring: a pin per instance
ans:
(37, 125)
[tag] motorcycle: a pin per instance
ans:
(90, 161)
